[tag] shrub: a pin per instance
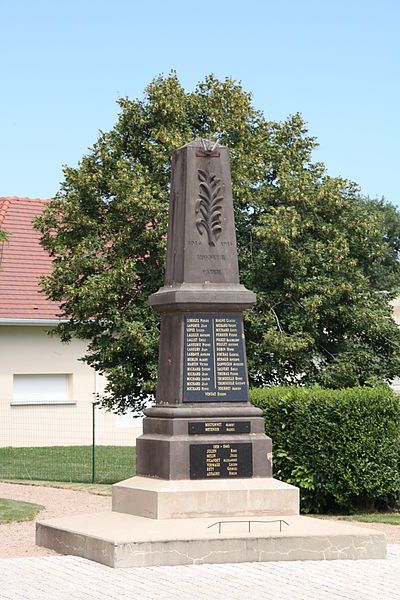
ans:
(340, 447)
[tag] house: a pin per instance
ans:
(46, 392)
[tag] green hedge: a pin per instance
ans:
(341, 447)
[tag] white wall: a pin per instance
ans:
(29, 350)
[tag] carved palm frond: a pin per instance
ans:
(208, 206)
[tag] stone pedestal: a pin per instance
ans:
(183, 499)
(174, 442)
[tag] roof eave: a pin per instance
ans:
(38, 322)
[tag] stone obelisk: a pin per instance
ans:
(203, 425)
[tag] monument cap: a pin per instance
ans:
(202, 264)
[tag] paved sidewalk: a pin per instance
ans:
(73, 578)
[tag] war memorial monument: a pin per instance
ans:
(204, 491)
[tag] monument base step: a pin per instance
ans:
(187, 498)
(121, 540)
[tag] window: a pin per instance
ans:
(41, 389)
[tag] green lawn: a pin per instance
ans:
(68, 463)
(13, 510)
(389, 518)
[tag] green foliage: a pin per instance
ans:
(14, 510)
(317, 254)
(341, 447)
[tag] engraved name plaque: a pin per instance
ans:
(209, 461)
(224, 427)
(214, 358)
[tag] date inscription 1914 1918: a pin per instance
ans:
(208, 461)
(215, 364)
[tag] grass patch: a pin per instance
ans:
(68, 463)
(13, 510)
(388, 518)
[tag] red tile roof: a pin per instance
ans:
(22, 262)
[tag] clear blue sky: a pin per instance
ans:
(64, 63)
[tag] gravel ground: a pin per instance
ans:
(18, 539)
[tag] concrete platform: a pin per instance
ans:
(121, 540)
(186, 498)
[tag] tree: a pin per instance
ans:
(323, 260)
